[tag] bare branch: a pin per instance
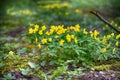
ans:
(104, 20)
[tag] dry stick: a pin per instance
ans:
(104, 20)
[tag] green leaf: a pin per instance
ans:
(43, 63)
(32, 65)
(1, 65)
(52, 62)
(25, 71)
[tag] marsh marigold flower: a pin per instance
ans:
(43, 28)
(37, 26)
(11, 53)
(68, 37)
(104, 41)
(77, 28)
(118, 36)
(96, 33)
(72, 36)
(112, 34)
(44, 40)
(61, 42)
(31, 31)
(40, 32)
(50, 39)
(91, 33)
(109, 36)
(47, 33)
(117, 43)
(103, 49)
(84, 31)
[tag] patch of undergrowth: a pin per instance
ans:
(15, 62)
(65, 46)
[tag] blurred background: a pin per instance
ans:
(16, 15)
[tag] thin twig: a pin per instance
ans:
(104, 20)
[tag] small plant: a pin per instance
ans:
(73, 43)
(8, 76)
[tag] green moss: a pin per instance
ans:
(102, 67)
(107, 66)
(16, 62)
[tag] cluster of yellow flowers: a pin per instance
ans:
(56, 5)
(94, 34)
(62, 35)
(11, 11)
(108, 37)
(57, 30)
(70, 37)
(75, 28)
(54, 29)
(31, 31)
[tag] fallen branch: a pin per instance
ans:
(104, 20)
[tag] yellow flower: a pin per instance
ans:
(104, 41)
(61, 42)
(35, 30)
(103, 49)
(51, 31)
(40, 32)
(72, 36)
(47, 33)
(39, 46)
(112, 34)
(43, 28)
(44, 40)
(113, 50)
(117, 43)
(76, 41)
(71, 28)
(109, 36)
(96, 33)
(36, 39)
(76, 28)
(84, 31)
(50, 39)
(31, 31)
(91, 33)
(56, 37)
(11, 53)
(68, 37)
(118, 36)
(36, 26)
(60, 32)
